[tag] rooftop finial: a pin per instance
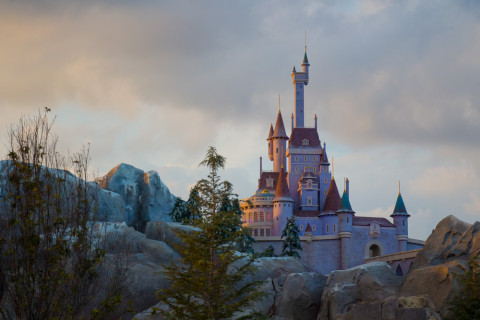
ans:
(333, 169)
(305, 39)
(278, 103)
(344, 184)
(399, 193)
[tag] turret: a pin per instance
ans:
(282, 204)
(300, 79)
(279, 142)
(325, 175)
(345, 219)
(400, 220)
(270, 143)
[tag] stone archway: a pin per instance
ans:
(374, 248)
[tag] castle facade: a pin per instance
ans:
(332, 236)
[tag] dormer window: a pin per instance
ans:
(309, 201)
(305, 142)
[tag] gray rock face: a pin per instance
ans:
(145, 196)
(369, 283)
(300, 296)
(165, 231)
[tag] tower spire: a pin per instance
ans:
(399, 193)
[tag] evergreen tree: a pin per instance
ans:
(208, 282)
(292, 242)
(466, 305)
(179, 212)
(186, 211)
(269, 252)
(245, 240)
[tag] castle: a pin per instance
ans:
(332, 236)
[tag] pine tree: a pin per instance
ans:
(466, 304)
(208, 282)
(245, 241)
(186, 211)
(292, 242)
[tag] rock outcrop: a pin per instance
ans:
(145, 196)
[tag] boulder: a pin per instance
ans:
(145, 195)
(368, 283)
(165, 231)
(300, 296)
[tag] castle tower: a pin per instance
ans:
(300, 80)
(270, 143)
(400, 220)
(282, 204)
(324, 177)
(279, 144)
(345, 218)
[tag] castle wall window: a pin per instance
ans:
(269, 217)
(255, 217)
(327, 228)
(325, 169)
(334, 228)
(403, 222)
(348, 219)
(301, 227)
(305, 142)
(314, 227)
(250, 217)
(267, 232)
(262, 233)
(296, 169)
(305, 158)
(277, 150)
(325, 181)
(251, 232)
(325, 192)
(296, 158)
(314, 159)
(309, 184)
(255, 233)
(262, 216)
(309, 201)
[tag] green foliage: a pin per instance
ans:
(291, 244)
(208, 282)
(244, 241)
(186, 211)
(269, 252)
(466, 305)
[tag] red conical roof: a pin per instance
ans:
(308, 228)
(282, 186)
(279, 128)
(333, 201)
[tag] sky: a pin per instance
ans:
(395, 86)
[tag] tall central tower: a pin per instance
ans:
(300, 80)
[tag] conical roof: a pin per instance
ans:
(324, 155)
(308, 228)
(294, 69)
(279, 131)
(345, 205)
(305, 59)
(332, 202)
(400, 209)
(270, 133)
(282, 186)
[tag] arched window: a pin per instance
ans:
(255, 217)
(305, 158)
(314, 227)
(250, 217)
(374, 250)
(262, 216)
(269, 217)
(255, 233)
(296, 158)
(327, 228)
(267, 231)
(399, 271)
(277, 150)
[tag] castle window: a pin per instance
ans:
(296, 169)
(269, 217)
(309, 201)
(309, 184)
(251, 232)
(250, 217)
(325, 169)
(296, 158)
(305, 142)
(325, 192)
(267, 232)
(255, 233)
(255, 217)
(262, 233)
(403, 222)
(325, 181)
(314, 169)
(327, 228)
(374, 250)
(262, 216)
(348, 219)
(277, 150)
(305, 158)
(314, 227)
(314, 159)
(301, 227)
(334, 228)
